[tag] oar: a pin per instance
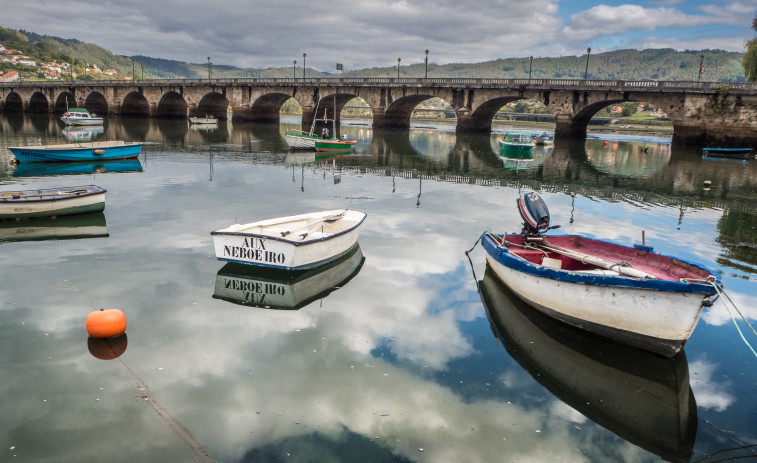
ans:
(327, 219)
(598, 261)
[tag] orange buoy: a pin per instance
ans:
(106, 323)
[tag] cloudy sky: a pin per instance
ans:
(361, 33)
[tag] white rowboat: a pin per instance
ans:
(52, 202)
(296, 242)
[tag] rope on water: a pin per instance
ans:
(728, 303)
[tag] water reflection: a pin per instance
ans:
(641, 397)
(275, 289)
(82, 134)
(41, 169)
(67, 227)
(107, 348)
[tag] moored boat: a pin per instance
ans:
(51, 202)
(281, 289)
(296, 242)
(80, 116)
(334, 145)
(729, 153)
(630, 294)
(516, 143)
(641, 397)
(93, 151)
(207, 120)
(543, 139)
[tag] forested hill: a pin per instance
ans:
(659, 64)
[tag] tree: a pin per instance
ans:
(750, 57)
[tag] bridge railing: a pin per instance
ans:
(449, 82)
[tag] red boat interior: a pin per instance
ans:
(657, 266)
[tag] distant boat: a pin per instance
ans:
(297, 242)
(68, 227)
(93, 151)
(40, 169)
(207, 120)
(729, 153)
(80, 116)
(284, 290)
(632, 295)
(543, 139)
(51, 202)
(516, 143)
(641, 397)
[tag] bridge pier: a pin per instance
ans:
(381, 121)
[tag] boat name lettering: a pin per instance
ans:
(260, 255)
(254, 290)
(257, 243)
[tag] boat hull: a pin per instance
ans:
(655, 315)
(82, 122)
(203, 121)
(301, 141)
(95, 151)
(52, 202)
(334, 146)
(515, 150)
(261, 243)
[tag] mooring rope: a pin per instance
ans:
(728, 303)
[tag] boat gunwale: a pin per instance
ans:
(503, 255)
(289, 240)
(91, 191)
(79, 146)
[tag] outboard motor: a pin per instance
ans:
(535, 215)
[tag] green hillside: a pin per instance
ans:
(659, 64)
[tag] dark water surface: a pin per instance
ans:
(392, 354)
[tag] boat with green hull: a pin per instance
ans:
(516, 144)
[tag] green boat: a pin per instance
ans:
(334, 145)
(516, 144)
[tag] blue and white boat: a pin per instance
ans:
(80, 116)
(94, 151)
(51, 202)
(630, 294)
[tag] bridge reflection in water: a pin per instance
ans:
(637, 170)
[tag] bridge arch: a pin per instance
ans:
(214, 104)
(13, 103)
(172, 105)
(64, 101)
(397, 114)
(38, 103)
(267, 108)
(95, 102)
(135, 104)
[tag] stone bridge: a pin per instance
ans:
(702, 113)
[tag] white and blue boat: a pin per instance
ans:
(51, 202)
(94, 151)
(630, 294)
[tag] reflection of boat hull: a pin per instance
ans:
(59, 228)
(94, 151)
(38, 169)
(203, 120)
(728, 153)
(52, 202)
(643, 398)
(278, 289)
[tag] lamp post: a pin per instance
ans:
(701, 67)
(586, 72)
(208, 67)
(530, 66)
(426, 64)
(398, 67)
(294, 69)
(304, 55)
(142, 76)
(132, 70)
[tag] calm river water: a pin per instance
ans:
(393, 354)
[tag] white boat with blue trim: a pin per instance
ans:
(93, 151)
(298, 242)
(630, 294)
(80, 116)
(51, 202)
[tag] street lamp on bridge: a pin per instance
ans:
(530, 66)
(398, 67)
(426, 64)
(586, 72)
(208, 67)
(304, 55)
(132, 70)
(294, 69)
(701, 67)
